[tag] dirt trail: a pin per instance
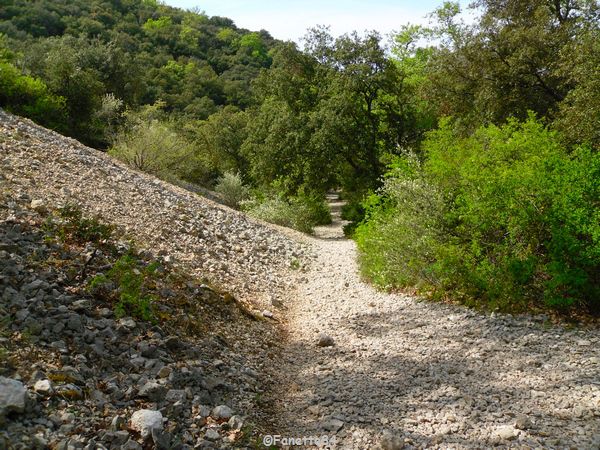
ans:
(406, 374)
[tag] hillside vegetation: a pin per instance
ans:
(467, 152)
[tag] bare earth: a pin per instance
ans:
(405, 374)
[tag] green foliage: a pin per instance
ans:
(72, 226)
(232, 189)
(579, 115)
(153, 25)
(301, 213)
(506, 216)
(510, 61)
(30, 97)
(85, 51)
(150, 143)
(133, 280)
(220, 138)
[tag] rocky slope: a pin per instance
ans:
(75, 372)
(243, 255)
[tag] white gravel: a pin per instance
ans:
(404, 373)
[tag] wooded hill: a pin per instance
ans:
(102, 57)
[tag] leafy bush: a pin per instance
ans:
(506, 216)
(301, 213)
(232, 189)
(132, 278)
(151, 144)
(30, 97)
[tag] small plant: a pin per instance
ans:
(232, 189)
(132, 280)
(76, 228)
(295, 264)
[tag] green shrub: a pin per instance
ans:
(317, 208)
(301, 213)
(74, 227)
(506, 216)
(232, 189)
(132, 278)
(30, 97)
(154, 146)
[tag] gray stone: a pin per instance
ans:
(204, 411)
(43, 387)
(131, 445)
(162, 439)
(75, 323)
(147, 350)
(13, 396)
(392, 441)
(128, 323)
(175, 395)
(153, 391)
(236, 422)
(333, 425)
(118, 423)
(69, 391)
(505, 433)
(522, 422)
(38, 205)
(173, 343)
(222, 412)
(212, 434)
(325, 340)
(164, 372)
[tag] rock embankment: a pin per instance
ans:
(242, 255)
(75, 372)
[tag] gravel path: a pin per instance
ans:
(404, 373)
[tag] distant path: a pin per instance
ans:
(335, 229)
(427, 375)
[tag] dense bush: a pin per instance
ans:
(506, 216)
(30, 97)
(232, 189)
(153, 145)
(301, 213)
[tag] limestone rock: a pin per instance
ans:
(145, 420)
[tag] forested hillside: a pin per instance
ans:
(99, 58)
(467, 152)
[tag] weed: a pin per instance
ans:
(295, 264)
(74, 227)
(133, 280)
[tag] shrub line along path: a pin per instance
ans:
(404, 373)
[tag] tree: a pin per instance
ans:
(221, 136)
(579, 115)
(507, 63)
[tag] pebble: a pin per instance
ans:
(43, 387)
(325, 340)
